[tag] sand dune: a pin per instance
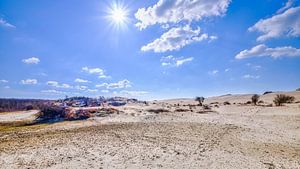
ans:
(183, 136)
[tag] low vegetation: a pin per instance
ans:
(280, 99)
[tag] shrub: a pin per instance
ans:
(281, 98)
(157, 111)
(255, 99)
(200, 100)
(78, 114)
(206, 107)
(248, 102)
(49, 113)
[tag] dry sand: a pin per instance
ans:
(231, 136)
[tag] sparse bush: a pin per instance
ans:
(260, 102)
(255, 99)
(200, 100)
(248, 102)
(227, 103)
(182, 110)
(281, 98)
(78, 114)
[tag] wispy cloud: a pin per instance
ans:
(81, 87)
(6, 24)
(32, 60)
(133, 93)
(247, 76)
(175, 39)
(263, 50)
(29, 82)
(118, 85)
(281, 25)
(58, 85)
(174, 61)
(213, 72)
(3, 81)
(78, 80)
(53, 92)
(176, 11)
(286, 6)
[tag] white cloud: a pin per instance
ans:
(29, 81)
(118, 85)
(4, 23)
(286, 24)
(56, 84)
(6, 87)
(173, 61)
(133, 93)
(263, 50)
(78, 80)
(53, 92)
(175, 11)
(98, 71)
(247, 76)
(213, 72)
(32, 60)
(227, 70)
(175, 39)
(3, 81)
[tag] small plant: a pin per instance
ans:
(255, 99)
(206, 107)
(200, 100)
(281, 98)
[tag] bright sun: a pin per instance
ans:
(118, 15)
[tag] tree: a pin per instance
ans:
(255, 99)
(200, 100)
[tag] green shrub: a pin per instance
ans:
(281, 98)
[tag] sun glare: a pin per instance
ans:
(118, 15)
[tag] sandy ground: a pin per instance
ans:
(230, 136)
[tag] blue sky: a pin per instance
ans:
(152, 49)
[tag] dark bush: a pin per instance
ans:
(29, 107)
(281, 98)
(157, 111)
(248, 102)
(206, 107)
(255, 99)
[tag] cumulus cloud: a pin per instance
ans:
(104, 91)
(58, 85)
(32, 60)
(3, 81)
(247, 76)
(97, 71)
(29, 81)
(174, 61)
(118, 85)
(92, 90)
(175, 11)
(263, 50)
(4, 23)
(175, 39)
(286, 24)
(78, 80)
